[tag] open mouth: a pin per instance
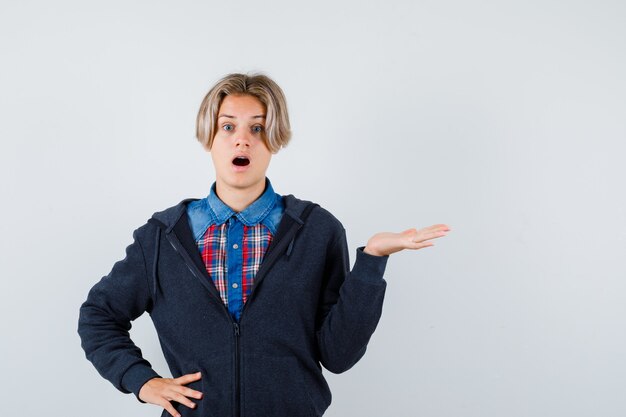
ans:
(241, 161)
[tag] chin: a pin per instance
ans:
(244, 181)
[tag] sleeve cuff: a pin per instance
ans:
(136, 376)
(367, 267)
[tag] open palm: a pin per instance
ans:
(386, 243)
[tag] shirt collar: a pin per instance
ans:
(251, 215)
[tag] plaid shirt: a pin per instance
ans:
(232, 244)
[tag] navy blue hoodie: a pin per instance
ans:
(306, 309)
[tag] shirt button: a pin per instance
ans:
(235, 285)
(235, 246)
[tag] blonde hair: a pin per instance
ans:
(277, 128)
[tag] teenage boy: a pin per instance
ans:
(250, 292)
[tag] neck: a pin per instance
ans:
(239, 198)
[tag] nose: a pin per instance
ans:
(242, 139)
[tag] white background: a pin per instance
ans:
(504, 120)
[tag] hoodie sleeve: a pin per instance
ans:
(350, 305)
(104, 322)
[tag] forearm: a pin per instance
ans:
(105, 320)
(350, 323)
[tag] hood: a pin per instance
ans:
(294, 216)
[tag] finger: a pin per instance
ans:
(420, 237)
(427, 230)
(185, 379)
(420, 245)
(191, 392)
(178, 397)
(439, 226)
(437, 233)
(169, 408)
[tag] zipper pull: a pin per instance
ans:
(236, 328)
(290, 246)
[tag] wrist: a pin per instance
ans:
(371, 251)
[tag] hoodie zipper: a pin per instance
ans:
(271, 257)
(237, 383)
(265, 265)
(180, 250)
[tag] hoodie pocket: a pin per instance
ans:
(275, 386)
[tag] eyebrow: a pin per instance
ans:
(258, 116)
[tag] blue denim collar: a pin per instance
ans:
(251, 215)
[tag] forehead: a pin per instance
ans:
(241, 106)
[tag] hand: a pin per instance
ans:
(161, 391)
(386, 243)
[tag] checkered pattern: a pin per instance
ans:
(212, 247)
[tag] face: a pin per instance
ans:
(240, 132)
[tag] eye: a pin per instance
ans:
(227, 125)
(257, 128)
